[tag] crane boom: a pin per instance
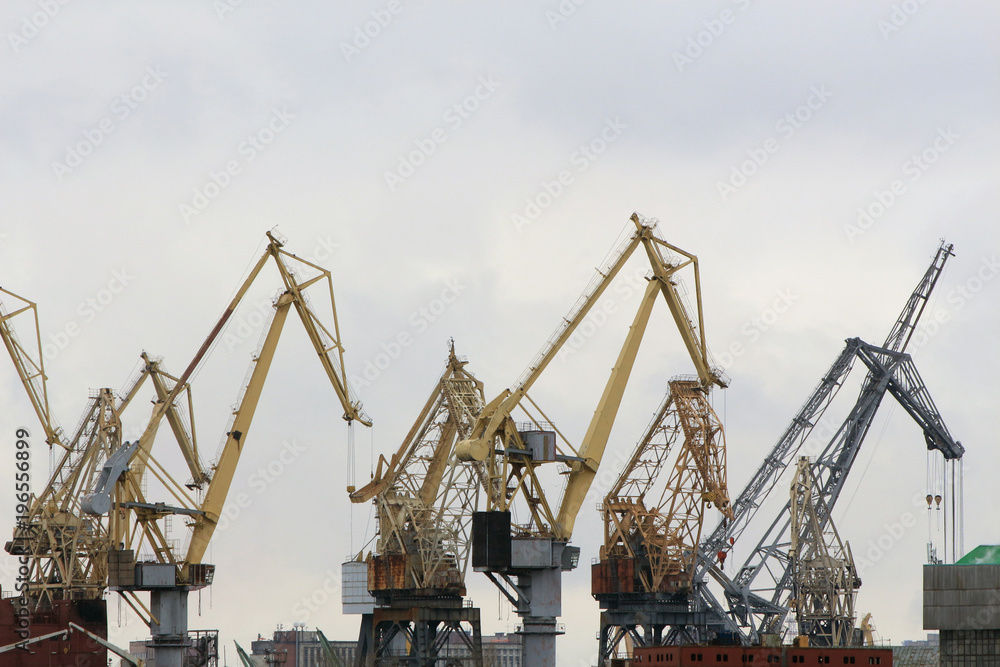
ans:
(495, 434)
(30, 371)
(755, 607)
(536, 549)
(596, 439)
(225, 469)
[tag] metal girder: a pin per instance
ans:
(754, 608)
(420, 637)
(424, 498)
(823, 576)
(758, 595)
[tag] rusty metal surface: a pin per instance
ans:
(613, 576)
(386, 573)
(76, 650)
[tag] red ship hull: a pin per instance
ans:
(758, 656)
(77, 650)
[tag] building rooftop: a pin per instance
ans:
(984, 554)
(916, 656)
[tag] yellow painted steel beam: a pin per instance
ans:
(693, 341)
(28, 370)
(596, 439)
(185, 443)
(215, 497)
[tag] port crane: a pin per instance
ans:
(653, 521)
(757, 598)
(134, 522)
(116, 504)
(534, 548)
(423, 502)
(66, 548)
(824, 578)
(652, 528)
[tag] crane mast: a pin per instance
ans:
(824, 578)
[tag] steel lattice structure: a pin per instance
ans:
(824, 578)
(757, 598)
(652, 531)
(424, 500)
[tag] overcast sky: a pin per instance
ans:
(811, 154)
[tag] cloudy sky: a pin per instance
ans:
(811, 154)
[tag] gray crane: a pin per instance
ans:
(757, 598)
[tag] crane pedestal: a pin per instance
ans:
(649, 620)
(411, 632)
(169, 629)
(538, 564)
(537, 597)
(168, 600)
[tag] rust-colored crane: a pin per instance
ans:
(653, 515)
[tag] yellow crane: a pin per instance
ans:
(653, 514)
(116, 488)
(534, 548)
(66, 549)
(134, 521)
(423, 500)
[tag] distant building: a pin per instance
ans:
(963, 602)
(302, 648)
(502, 650)
(933, 639)
(916, 656)
(139, 650)
(299, 648)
